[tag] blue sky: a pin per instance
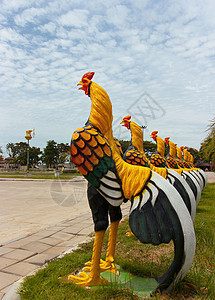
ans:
(155, 59)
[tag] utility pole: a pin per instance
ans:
(28, 138)
(143, 127)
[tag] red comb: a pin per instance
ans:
(88, 75)
(127, 118)
(154, 132)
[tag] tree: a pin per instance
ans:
(124, 145)
(64, 152)
(34, 156)
(149, 148)
(19, 153)
(50, 154)
(207, 150)
(12, 149)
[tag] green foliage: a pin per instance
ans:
(125, 145)
(50, 154)
(64, 152)
(19, 152)
(14, 149)
(207, 150)
(149, 148)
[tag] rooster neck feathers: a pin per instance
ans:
(172, 149)
(185, 152)
(179, 153)
(160, 146)
(101, 118)
(101, 109)
(136, 136)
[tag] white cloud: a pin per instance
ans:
(74, 18)
(15, 5)
(164, 48)
(49, 27)
(30, 15)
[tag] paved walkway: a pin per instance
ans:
(23, 255)
(30, 205)
(211, 177)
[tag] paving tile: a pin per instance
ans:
(82, 219)
(44, 233)
(37, 246)
(1, 295)
(21, 268)
(73, 230)
(87, 230)
(5, 262)
(50, 241)
(4, 250)
(73, 242)
(57, 250)
(58, 228)
(40, 259)
(61, 236)
(69, 223)
(7, 279)
(22, 242)
(19, 254)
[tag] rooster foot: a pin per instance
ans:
(104, 266)
(85, 279)
(129, 233)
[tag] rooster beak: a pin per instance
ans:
(80, 83)
(123, 123)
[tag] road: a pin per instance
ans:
(30, 205)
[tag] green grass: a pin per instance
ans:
(144, 260)
(38, 175)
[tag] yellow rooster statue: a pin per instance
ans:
(171, 159)
(158, 213)
(136, 155)
(185, 173)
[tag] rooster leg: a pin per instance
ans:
(108, 264)
(109, 261)
(93, 278)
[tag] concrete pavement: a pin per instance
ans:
(39, 221)
(30, 205)
(211, 177)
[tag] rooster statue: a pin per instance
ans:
(185, 173)
(171, 157)
(181, 164)
(136, 155)
(200, 174)
(158, 213)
